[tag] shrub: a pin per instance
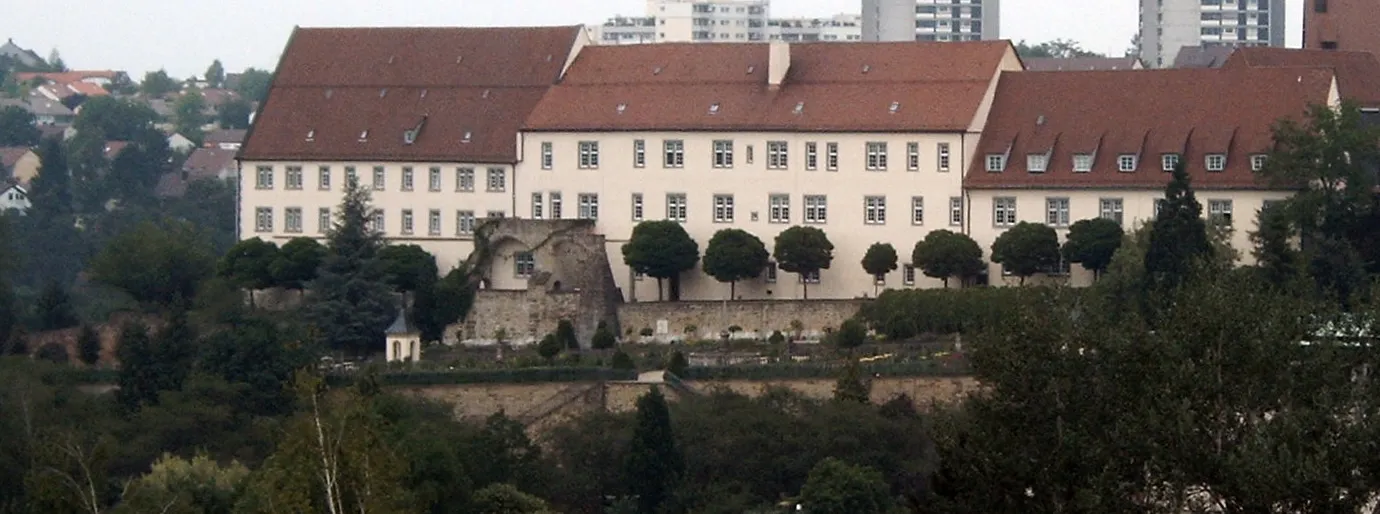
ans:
(622, 361)
(776, 337)
(52, 353)
(603, 339)
(851, 334)
(678, 364)
(904, 314)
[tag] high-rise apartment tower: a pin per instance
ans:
(1168, 25)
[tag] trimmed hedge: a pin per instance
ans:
(497, 376)
(904, 314)
(936, 368)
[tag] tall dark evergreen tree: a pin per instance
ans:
(654, 465)
(138, 379)
(89, 345)
(53, 309)
(1275, 256)
(352, 301)
(1178, 239)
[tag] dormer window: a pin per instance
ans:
(364, 136)
(996, 162)
(1126, 162)
(1258, 161)
(1216, 162)
(311, 135)
(751, 69)
(1169, 161)
(713, 108)
(895, 106)
(468, 136)
(1035, 163)
(1082, 162)
(622, 107)
(409, 137)
(799, 107)
(383, 92)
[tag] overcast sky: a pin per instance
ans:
(183, 36)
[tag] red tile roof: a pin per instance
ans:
(1191, 112)
(218, 136)
(67, 76)
(1081, 63)
(10, 155)
(1358, 73)
(334, 85)
(836, 87)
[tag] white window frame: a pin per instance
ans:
(778, 208)
(677, 207)
(809, 277)
(323, 178)
(380, 222)
(588, 206)
(1220, 212)
(548, 156)
(464, 180)
(1082, 162)
(816, 209)
(955, 211)
(1127, 162)
(1258, 161)
(538, 205)
(433, 179)
(293, 178)
(292, 220)
(770, 276)
(380, 178)
(913, 156)
(1112, 209)
(589, 155)
(263, 179)
(1057, 211)
(1036, 162)
(1215, 162)
(831, 156)
(908, 275)
(639, 153)
(433, 222)
(496, 186)
(673, 153)
(943, 156)
(876, 156)
(1004, 211)
(723, 209)
(323, 220)
(778, 155)
(351, 176)
(464, 223)
(524, 265)
(996, 163)
(263, 219)
(495, 215)
(1168, 161)
(407, 178)
(723, 153)
(811, 156)
(407, 223)
(638, 209)
(917, 210)
(556, 202)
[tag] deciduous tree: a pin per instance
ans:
(733, 255)
(158, 264)
(215, 74)
(157, 84)
(944, 254)
(17, 127)
(661, 250)
(1027, 249)
(234, 114)
(409, 267)
(249, 264)
(253, 84)
(89, 345)
(879, 260)
(296, 263)
(1092, 243)
(803, 250)
(836, 487)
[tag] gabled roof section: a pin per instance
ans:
(350, 93)
(1147, 113)
(1082, 63)
(857, 87)
(1358, 73)
(10, 155)
(1202, 56)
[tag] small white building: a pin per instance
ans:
(180, 144)
(14, 196)
(404, 341)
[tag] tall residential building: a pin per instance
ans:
(690, 21)
(934, 20)
(840, 27)
(1169, 25)
(1342, 25)
(888, 20)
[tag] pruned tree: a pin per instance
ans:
(1092, 243)
(879, 260)
(945, 254)
(804, 251)
(296, 263)
(249, 265)
(733, 255)
(549, 348)
(409, 267)
(89, 345)
(661, 250)
(1027, 249)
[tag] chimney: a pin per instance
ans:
(778, 63)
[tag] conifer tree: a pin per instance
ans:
(654, 464)
(1178, 241)
(352, 302)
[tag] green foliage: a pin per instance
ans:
(215, 74)
(776, 337)
(852, 387)
(107, 118)
(138, 368)
(506, 499)
(836, 487)
(1279, 263)
(1178, 239)
(351, 302)
(188, 114)
(661, 250)
(296, 263)
(185, 486)
(945, 254)
(502, 376)
(654, 465)
(445, 302)
(253, 84)
(622, 361)
(678, 365)
(565, 334)
(802, 250)
(234, 114)
(1027, 249)
(549, 348)
(1058, 49)
(851, 334)
(159, 264)
(249, 264)
(53, 310)
(157, 84)
(733, 255)
(261, 354)
(1092, 243)
(409, 267)
(879, 260)
(17, 127)
(904, 314)
(88, 345)
(603, 338)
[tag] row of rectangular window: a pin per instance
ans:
(292, 221)
(496, 178)
(778, 155)
(724, 208)
(1082, 163)
(1057, 211)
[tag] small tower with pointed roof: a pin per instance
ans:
(403, 342)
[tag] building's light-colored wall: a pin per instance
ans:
(26, 168)
(450, 249)
(751, 184)
(1138, 207)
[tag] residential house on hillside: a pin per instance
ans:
(846, 138)
(1082, 63)
(46, 111)
(21, 163)
(202, 164)
(225, 139)
(1052, 154)
(14, 197)
(426, 117)
(23, 56)
(1358, 73)
(180, 143)
(58, 86)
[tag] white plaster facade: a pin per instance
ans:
(14, 197)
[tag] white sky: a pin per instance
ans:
(184, 36)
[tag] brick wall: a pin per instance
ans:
(757, 318)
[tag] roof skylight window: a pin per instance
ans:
(713, 108)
